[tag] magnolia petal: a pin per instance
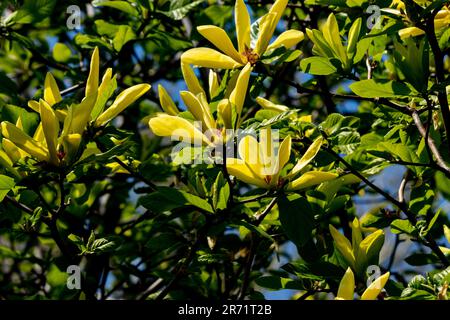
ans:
(248, 150)
(266, 29)
(177, 128)
(166, 101)
(78, 115)
(225, 112)
(372, 292)
(305, 119)
(410, 32)
(34, 105)
(242, 22)
(13, 152)
(346, 289)
(123, 100)
(199, 110)
(343, 246)
(51, 90)
(241, 171)
(24, 141)
(269, 105)
(50, 126)
(92, 81)
(307, 157)
(310, 179)
(284, 152)
(70, 144)
(105, 91)
(7, 163)
(237, 96)
(39, 135)
(191, 79)
(209, 58)
(287, 39)
(218, 37)
(278, 8)
(213, 83)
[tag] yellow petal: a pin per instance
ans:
(269, 105)
(266, 28)
(284, 152)
(410, 32)
(70, 144)
(166, 102)
(50, 126)
(447, 233)
(372, 292)
(310, 179)
(92, 81)
(371, 246)
(51, 90)
(78, 115)
(191, 79)
(213, 83)
(199, 110)
(278, 8)
(308, 156)
(237, 96)
(7, 163)
(347, 286)
(343, 246)
(218, 37)
(24, 141)
(34, 105)
(209, 58)
(241, 171)
(287, 39)
(13, 152)
(305, 119)
(104, 93)
(225, 113)
(19, 123)
(248, 150)
(242, 22)
(356, 233)
(177, 128)
(39, 135)
(124, 99)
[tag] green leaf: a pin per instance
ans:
(421, 259)
(180, 8)
(61, 52)
(318, 66)
(123, 6)
(402, 226)
(174, 198)
(296, 218)
(31, 11)
(380, 89)
(123, 35)
(6, 184)
(220, 192)
(278, 283)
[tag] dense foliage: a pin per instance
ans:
(314, 162)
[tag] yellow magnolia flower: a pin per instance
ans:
(360, 252)
(346, 289)
(260, 165)
(58, 146)
(212, 130)
(248, 50)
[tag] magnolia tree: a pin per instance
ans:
(180, 149)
